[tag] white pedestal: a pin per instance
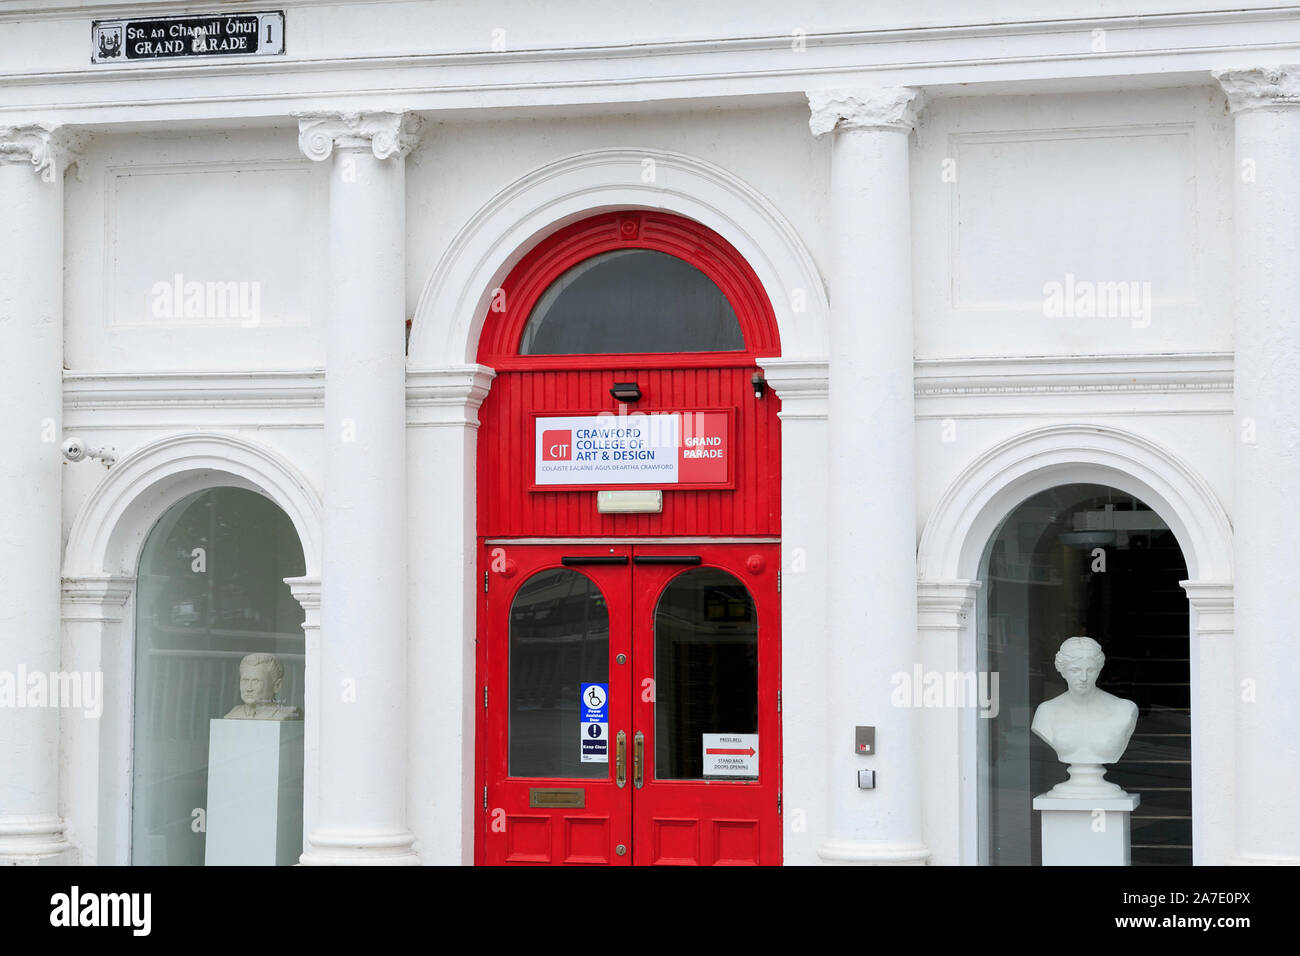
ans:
(1078, 831)
(254, 813)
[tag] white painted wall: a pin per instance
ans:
(1109, 169)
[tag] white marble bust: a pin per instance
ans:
(261, 676)
(1086, 726)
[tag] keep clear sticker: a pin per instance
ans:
(730, 755)
(593, 711)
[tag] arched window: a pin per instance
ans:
(1085, 560)
(211, 590)
(645, 286)
(632, 300)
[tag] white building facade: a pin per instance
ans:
(1023, 303)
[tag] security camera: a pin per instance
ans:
(74, 449)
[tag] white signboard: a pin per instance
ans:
(660, 448)
(730, 755)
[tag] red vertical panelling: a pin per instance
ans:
(505, 457)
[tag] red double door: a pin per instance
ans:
(631, 704)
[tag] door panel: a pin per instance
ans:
(554, 625)
(686, 639)
(706, 652)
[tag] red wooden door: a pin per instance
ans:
(684, 640)
(554, 619)
(706, 656)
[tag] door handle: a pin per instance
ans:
(638, 759)
(620, 760)
(666, 559)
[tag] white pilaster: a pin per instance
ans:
(361, 810)
(443, 423)
(943, 621)
(31, 477)
(1266, 524)
(306, 591)
(1213, 708)
(872, 486)
(94, 609)
(801, 384)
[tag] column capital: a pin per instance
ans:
(44, 146)
(384, 134)
(1260, 87)
(880, 107)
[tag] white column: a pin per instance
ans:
(801, 384)
(31, 417)
(1266, 521)
(443, 424)
(872, 473)
(361, 813)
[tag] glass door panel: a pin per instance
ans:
(559, 641)
(706, 668)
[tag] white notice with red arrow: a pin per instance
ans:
(730, 755)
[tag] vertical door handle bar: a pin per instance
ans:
(620, 760)
(638, 759)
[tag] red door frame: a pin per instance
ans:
(751, 509)
(681, 822)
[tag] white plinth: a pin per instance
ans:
(1078, 831)
(254, 813)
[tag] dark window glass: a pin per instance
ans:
(706, 668)
(559, 640)
(1086, 560)
(632, 300)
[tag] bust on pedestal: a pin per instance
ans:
(1087, 727)
(255, 759)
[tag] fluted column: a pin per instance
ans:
(361, 809)
(872, 480)
(31, 421)
(1265, 105)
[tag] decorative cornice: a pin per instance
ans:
(447, 396)
(944, 605)
(384, 134)
(96, 598)
(306, 591)
(1213, 603)
(1260, 87)
(44, 146)
(803, 380)
(886, 107)
(1075, 374)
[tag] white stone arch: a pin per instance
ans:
(100, 565)
(948, 566)
(455, 299)
(117, 516)
(1004, 476)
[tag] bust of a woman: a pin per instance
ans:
(1086, 726)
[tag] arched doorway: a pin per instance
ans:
(628, 469)
(1085, 560)
(210, 591)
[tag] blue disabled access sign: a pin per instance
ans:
(593, 716)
